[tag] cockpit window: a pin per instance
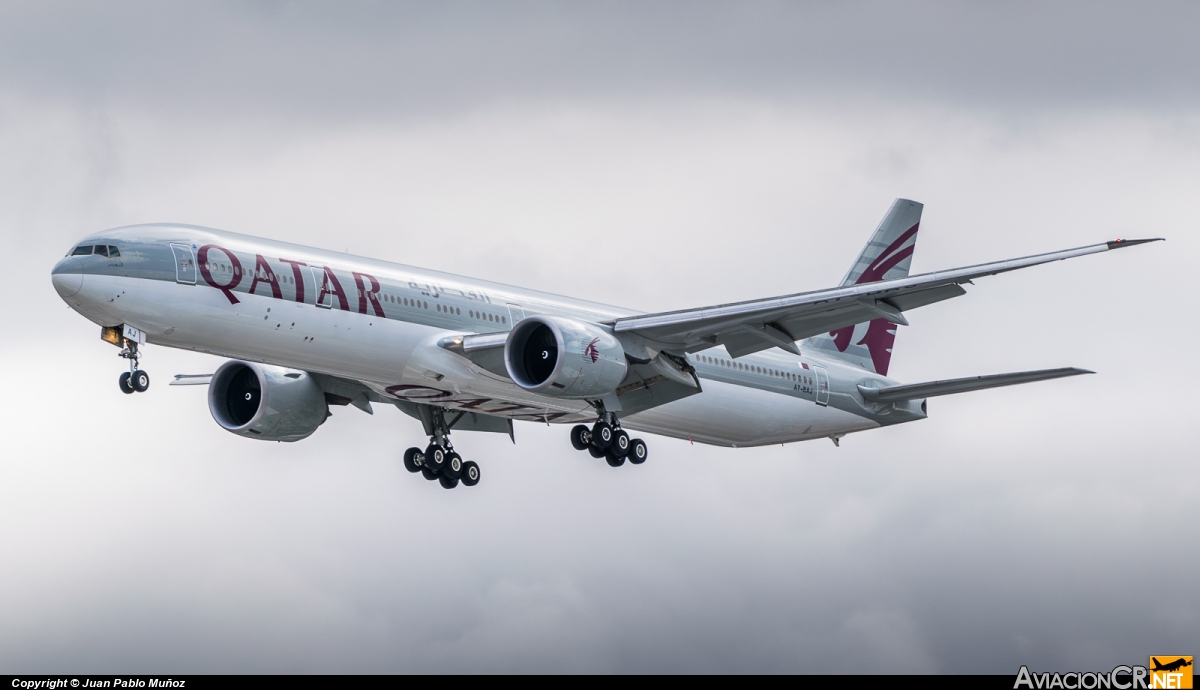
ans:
(108, 250)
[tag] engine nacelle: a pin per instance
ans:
(564, 358)
(266, 402)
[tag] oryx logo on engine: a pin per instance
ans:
(591, 352)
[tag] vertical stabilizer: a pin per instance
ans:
(887, 256)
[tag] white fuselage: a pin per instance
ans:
(764, 398)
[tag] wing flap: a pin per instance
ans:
(915, 391)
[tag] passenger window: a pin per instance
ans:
(82, 250)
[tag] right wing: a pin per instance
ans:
(747, 327)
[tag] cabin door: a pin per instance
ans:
(324, 291)
(515, 314)
(822, 384)
(185, 264)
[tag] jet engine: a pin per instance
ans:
(564, 358)
(266, 402)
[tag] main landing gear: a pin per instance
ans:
(438, 460)
(606, 439)
(135, 380)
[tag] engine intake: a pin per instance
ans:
(266, 402)
(564, 358)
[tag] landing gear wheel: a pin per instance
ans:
(581, 437)
(413, 460)
(613, 459)
(435, 457)
(428, 473)
(596, 452)
(123, 382)
(602, 435)
(620, 443)
(637, 451)
(140, 381)
(447, 482)
(470, 473)
(452, 467)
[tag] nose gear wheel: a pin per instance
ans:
(135, 380)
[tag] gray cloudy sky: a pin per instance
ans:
(653, 155)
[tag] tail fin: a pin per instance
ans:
(887, 256)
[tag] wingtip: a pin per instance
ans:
(1119, 243)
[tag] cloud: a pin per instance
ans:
(305, 62)
(653, 157)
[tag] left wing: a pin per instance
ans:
(747, 327)
(916, 391)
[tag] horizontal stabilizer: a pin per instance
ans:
(914, 391)
(191, 380)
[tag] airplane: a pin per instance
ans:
(1181, 662)
(306, 329)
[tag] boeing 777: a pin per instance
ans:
(306, 329)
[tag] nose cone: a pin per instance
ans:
(67, 277)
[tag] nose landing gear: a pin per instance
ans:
(606, 439)
(135, 380)
(438, 460)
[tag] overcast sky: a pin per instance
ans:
(655, 156)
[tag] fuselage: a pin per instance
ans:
(380, 323)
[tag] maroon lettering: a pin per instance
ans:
(364, 294)
(511, 408)
(202, 259)
(412, 391)
(298, 276)
(262, 268)
(548, 417)
(472, 403)
(337, 289)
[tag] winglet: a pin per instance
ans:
(1118, 243)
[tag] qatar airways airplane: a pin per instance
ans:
(307, 328)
